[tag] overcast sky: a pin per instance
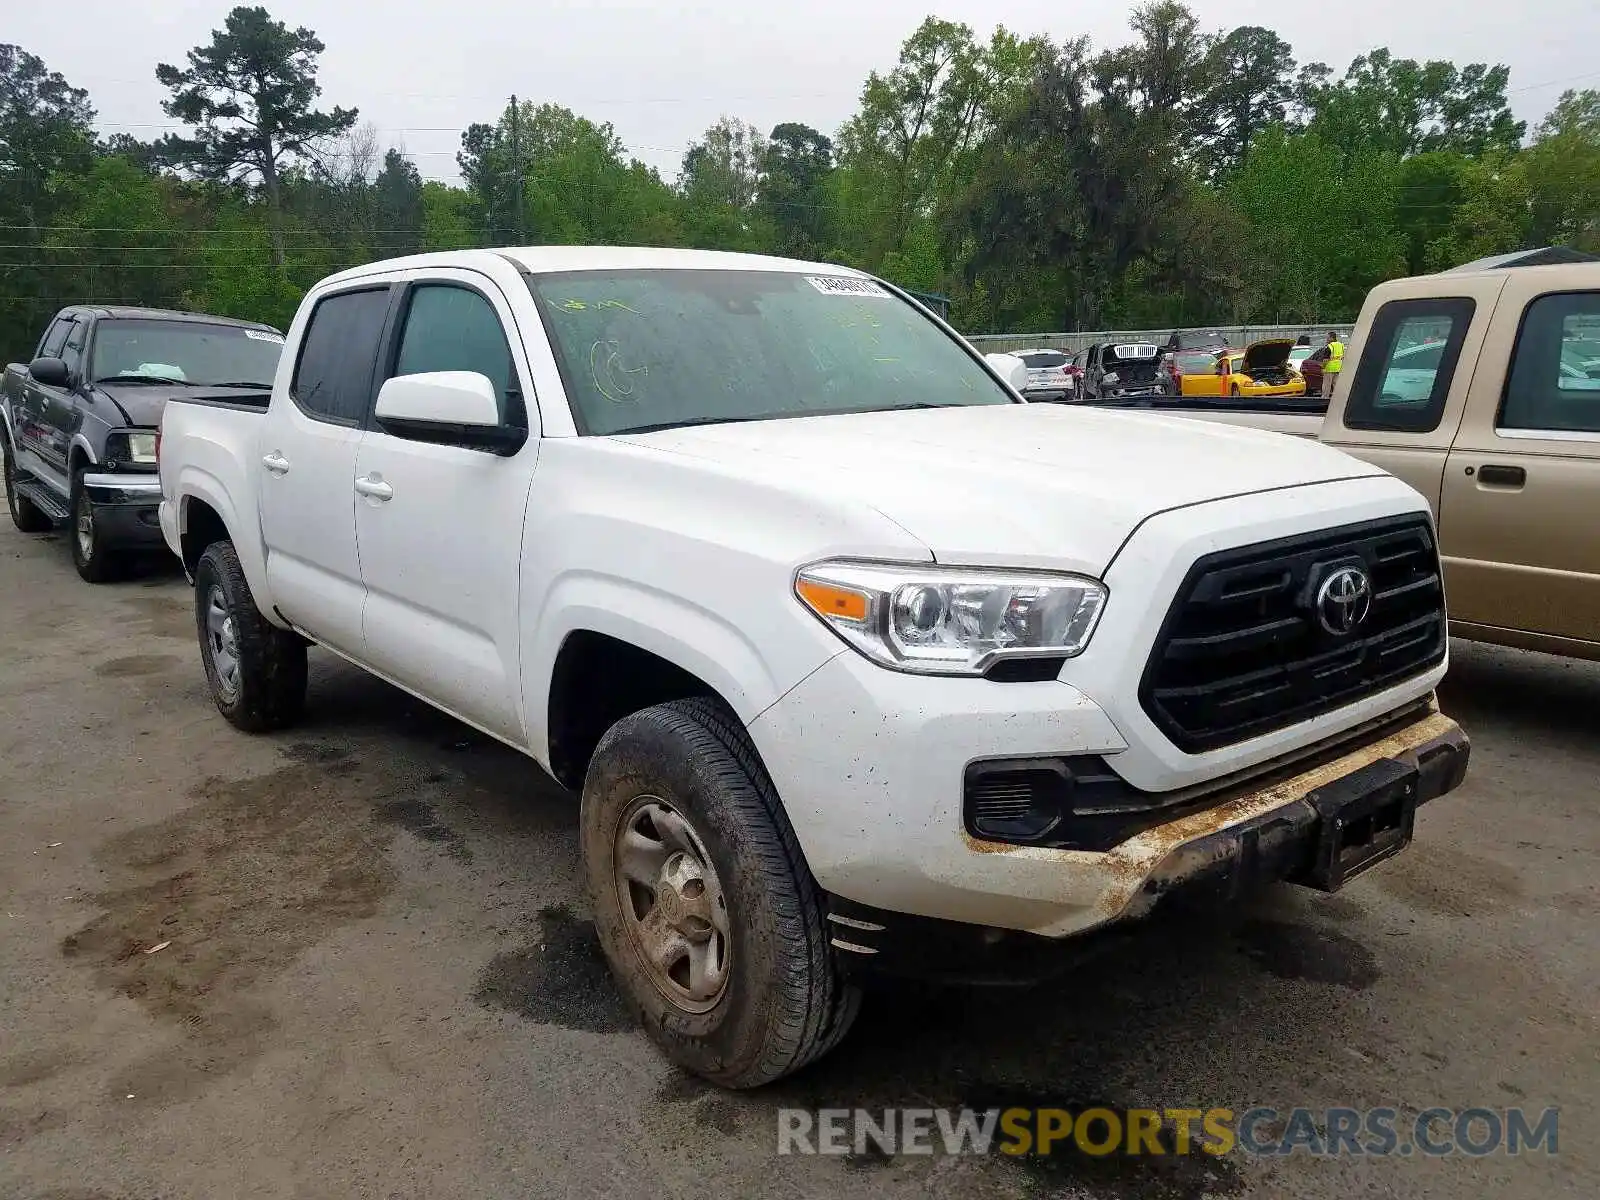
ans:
(422, 70)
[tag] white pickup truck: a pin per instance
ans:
(858, 661)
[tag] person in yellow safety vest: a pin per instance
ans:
(1335, 363)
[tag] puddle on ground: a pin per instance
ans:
(135, 665)
(417, 817)
(1315, 955)
(558, 978)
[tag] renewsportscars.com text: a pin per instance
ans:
(1326, 1132)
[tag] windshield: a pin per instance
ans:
(183, 352)
(1192, 364)
(649, 349)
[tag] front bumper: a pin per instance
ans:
(870, 766)
(126, 506)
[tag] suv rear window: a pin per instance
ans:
(1403, 378)
(1043, 358)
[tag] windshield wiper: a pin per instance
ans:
(143, 379)
(699, 421)
(239, 383)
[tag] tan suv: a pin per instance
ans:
(1482, 390)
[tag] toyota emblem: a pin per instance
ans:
(1344, 600)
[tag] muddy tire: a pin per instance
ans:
(27, 516)
(708, 916)
(256, 671)
(96, 563)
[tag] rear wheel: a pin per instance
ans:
(96, 563)
(25, 514)
(257, 672)
(706, 911)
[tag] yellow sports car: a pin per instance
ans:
(1260, 370)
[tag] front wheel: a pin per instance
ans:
(257, 672)
(708, 916)
(96, 563)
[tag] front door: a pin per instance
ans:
(1522, 485)
(305, 468)
(441, 541)
(39, 403)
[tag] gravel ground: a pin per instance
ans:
(380, 980)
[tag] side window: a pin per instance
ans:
(1554, 381)
(1403, 378)
(77, 338)
(54, 338)
(449, 328)
(333, 376)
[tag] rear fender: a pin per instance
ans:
(195, 483)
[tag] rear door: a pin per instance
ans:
(1397, 415)
(306, 465)
(441, 547)
(1521, 504)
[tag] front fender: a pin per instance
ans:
(686, 634)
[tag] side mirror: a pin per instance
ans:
(450, 408)
(51, 372)
(1010, 368)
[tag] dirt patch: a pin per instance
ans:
(559, 978)
(136, 665)
(1449, 882)
(236, 887)
(1316, 955)
(33, 1066)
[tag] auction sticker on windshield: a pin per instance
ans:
(842, 285)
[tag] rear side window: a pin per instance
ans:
(1410, 358)
(1554, 382)
(333, 377)
(451, 328)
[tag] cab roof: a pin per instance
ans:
(549, 260)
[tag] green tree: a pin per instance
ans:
(1246, 85)
(793, 193)
(720, 183)
(44, 135)
(1563, 172)
(250, 95)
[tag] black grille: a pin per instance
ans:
(1242, 651)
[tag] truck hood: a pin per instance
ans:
(141, 404)
(1037, 485)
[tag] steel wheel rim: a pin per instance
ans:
(222, 643)
(84, 528)
(673, 904)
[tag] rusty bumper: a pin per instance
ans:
(1317, 828)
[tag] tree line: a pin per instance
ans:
(1185, 177)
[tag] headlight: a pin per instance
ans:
(128, 448)
(938, 621)
(1110, 377)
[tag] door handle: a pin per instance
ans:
(275, 462)
(1500, 475)
(374, 488)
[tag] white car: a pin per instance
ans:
(1048, 377)
(858, 662)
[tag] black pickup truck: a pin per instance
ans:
(79, 425)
